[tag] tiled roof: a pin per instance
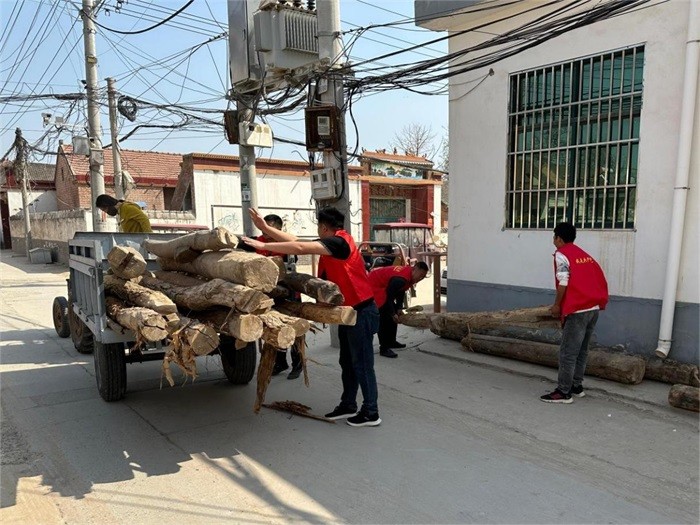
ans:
(392, 157)
(41, 172)
(142, 165)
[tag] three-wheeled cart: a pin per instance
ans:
(83, 317)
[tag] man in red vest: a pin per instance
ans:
(582, 292)
(275, 221)
(390, 284)
(341, 263)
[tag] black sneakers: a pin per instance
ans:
(557, 397)
(296, 371)
(363, 419)
(577, 391)
(396, 344)
(341, 412)
(387, 352)
(279, 368)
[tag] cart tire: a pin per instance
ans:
(81, 335)
(110, 371)
(239, 365)
(60, 316)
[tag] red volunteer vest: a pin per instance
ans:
(379, 279)
(349, 274)
(268, 253)
(587, 285)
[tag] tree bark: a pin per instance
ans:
(320, 313)
(180, 279)
(244, 327)
(457, 326)
(216, 292)
(268, 355)
(672, 372)
(685, 397)
(150, 325)
(249, 269)
(279, 261)
(139, 295)
(628, 369)
(126, 262)
(300, 326)
(416, 320)
(319, 289)
(187, 247)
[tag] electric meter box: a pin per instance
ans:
(323, 184)
(322, 128)
(254, 134)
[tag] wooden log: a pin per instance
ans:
(186, 248)
(623, 368)
(672, 372)
(416, 320)
(244, 327)
(320, 313)
(321, 290)
(279, 261)
(685, 397)
(139, 295)
(126, 262)
(268, 355)
(278, 335)
(148, 324)
(216, 292)
(180, 279)
(300, 326)
(200, 337)
(458, 325)
(249, 269)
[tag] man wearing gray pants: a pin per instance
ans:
(582, 292)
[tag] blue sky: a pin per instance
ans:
(47, 39)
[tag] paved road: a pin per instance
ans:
(459, 444)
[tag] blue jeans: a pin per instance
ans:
(573, 351)
(357, 360)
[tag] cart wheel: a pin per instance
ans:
(110, 371)
(239, 365)
(81, 335)
(60, 316)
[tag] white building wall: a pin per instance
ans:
(217, 201)
(635, 261)
(39, 201)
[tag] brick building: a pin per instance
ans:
(155, 174)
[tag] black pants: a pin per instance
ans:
(281, 357)
(387, 326)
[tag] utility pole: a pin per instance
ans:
(116, 153)
(97, 181)
(20, 169)
(249, 184)
(330, 47)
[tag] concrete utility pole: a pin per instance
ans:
(97, 180)
(116, 154)
(20, 169)
(249, 184)
(330, 47)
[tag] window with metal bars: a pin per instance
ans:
(573, 142)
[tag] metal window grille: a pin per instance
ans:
(573, 142)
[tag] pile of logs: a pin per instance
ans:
(205, 288)
(533, 336)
